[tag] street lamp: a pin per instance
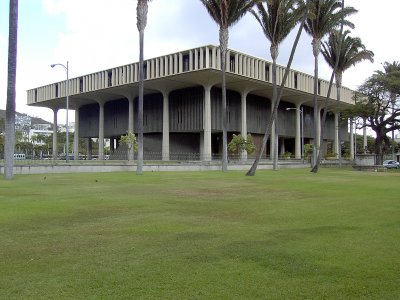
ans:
(302, 130)
(66, 125)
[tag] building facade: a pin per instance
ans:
(182, 105)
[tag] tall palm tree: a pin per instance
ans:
(277, 18)
(341, 52)
(253, 168)
(352, 52)
(226, 13)
(325, 16)
(141, 15)
(11, 82)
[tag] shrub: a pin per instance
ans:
(239, 144)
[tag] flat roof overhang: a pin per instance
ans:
(188, 79)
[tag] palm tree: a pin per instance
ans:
(325, 16)
(253, 168)
(341, 52)
(11, 81)
(277, 19)
(352, 52)
(141, 15)
(226, 13)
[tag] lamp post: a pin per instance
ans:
(302, 130)
(67, 103)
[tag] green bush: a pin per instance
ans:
(239, 144)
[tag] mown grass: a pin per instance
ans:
(203, 235)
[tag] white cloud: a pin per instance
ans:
(100, 34)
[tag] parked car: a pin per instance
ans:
(391, 164)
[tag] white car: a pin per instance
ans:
(391, 164)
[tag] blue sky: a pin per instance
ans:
(94, 35)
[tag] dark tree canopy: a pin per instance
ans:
(378, 107)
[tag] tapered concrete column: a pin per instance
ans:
(283, 148)
(130, 126)
(243, 154)
(112, 145)
(365, 141)
(101, 131)
(55, 134)
(76, 135)
(207, 124)
(336, 137)
(351, 139)
(88, 148)
(165, 133)
(298, 137)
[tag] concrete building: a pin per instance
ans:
(182, 104)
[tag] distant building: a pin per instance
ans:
(42, 127)
(22, 121)
(36, 133)
(182, 104)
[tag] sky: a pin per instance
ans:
(94, 35)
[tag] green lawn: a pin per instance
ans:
(289, 234)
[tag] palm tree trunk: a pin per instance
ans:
(338, 88)
(338, 83)
(253, 168)
(11, 82)
(141, 10)
(316, 43)
(223, 39)
(274, 55)
(139, 169)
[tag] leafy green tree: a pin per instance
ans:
(390, 69)
(11, 82)
(277, 18)
(325, 16)
(226, 13)
(239, 144)
(141, 15)
(378, 109)
(130, 140)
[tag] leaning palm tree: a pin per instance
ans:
(341, 52)
(274, 111)
(141, 14)
(326, 15)
(10, 105)
(277, 18)
(226, 13)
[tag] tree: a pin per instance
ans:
(341, 52)
(239, 144)
(391, 68)
(274, 111)
(378, 109)
(11, 83)
(130, 140)
(141, 14)
(226, 13)
(277, 18)
(352, 52)
(325, 15)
